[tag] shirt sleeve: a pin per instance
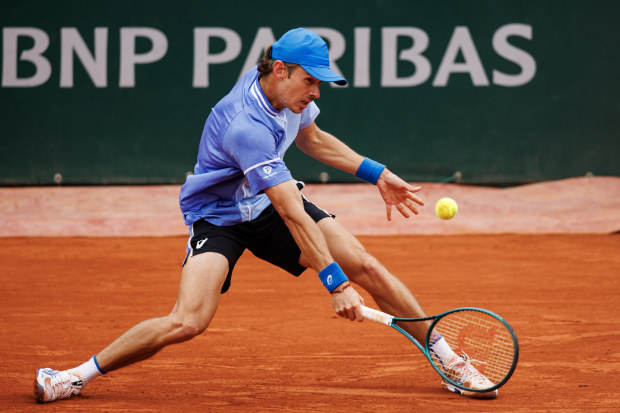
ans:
(308, 115)
(253, 148)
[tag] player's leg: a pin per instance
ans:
(390, 294)
(199, 292)
(201, 281)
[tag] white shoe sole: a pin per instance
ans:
(470, 394)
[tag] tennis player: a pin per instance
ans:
(242, 195)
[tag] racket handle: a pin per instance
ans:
(377, 316)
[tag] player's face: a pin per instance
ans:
(299, 89)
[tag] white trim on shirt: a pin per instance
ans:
(261, 100)
(259, 164)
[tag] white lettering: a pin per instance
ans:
(361, 73)
(43, 68)
(129, 58)
(403, 50)
(263, 39)
(513, 54)
(461, 41)
(336, 45)
(96, 66)
(202, 57)
(389, 62)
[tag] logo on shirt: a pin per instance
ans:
(267, 169)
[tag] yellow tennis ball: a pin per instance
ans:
(446, 208)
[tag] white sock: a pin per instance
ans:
(89, 370)
(441, 348)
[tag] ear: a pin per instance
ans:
(280, 71)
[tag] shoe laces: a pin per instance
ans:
(464, 371)
(61, 384)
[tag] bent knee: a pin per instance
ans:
(372, 275)
(187, 326)
(371, 266)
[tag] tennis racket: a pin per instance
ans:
(476, 339)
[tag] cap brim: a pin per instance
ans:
(325, 74)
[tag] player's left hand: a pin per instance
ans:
(398, 193)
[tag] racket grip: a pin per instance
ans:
(377, 316)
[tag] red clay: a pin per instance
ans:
(275, 344)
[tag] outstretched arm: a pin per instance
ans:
(315, 254)
(326, 148)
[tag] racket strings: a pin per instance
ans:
(476, 338)
(465, 357)
(463, 372)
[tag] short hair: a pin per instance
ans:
(265, 65)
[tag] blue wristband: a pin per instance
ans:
(369, 171)
(332, 276)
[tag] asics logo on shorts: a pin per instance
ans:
(200, 243)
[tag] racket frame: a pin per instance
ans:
(389, 320)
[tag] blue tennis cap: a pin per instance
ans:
(308, 50)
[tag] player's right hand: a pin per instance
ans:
(348, 303)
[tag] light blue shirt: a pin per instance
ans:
(241, 153)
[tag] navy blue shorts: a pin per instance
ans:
(267, 237)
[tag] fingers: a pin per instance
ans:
(402, 210)
(349, 305)
(412, 188)
(416, 199)
(358, 313)
(411, 205)
(353, 314)
(350, 313)
(402, 196)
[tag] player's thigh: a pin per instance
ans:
(344, 247)
(201, 283)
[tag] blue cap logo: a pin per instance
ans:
(307, 49)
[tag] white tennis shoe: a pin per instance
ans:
(462, 372)
(50, 385)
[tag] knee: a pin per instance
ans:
(186, 326)
(372, 276)
(371, 266)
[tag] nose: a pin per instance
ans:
(315, 91)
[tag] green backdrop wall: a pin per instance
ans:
(117, 92)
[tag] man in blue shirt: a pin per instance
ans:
(242, 196)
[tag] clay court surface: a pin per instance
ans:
(275, 343)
